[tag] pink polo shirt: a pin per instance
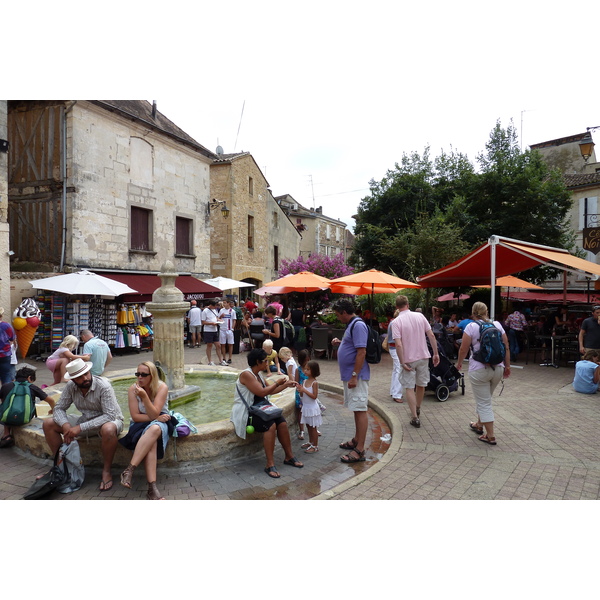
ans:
(411, 328)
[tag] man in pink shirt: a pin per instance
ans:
(409, 330)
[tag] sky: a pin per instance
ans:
(329, 95)
(332, 93)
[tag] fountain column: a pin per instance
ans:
(168, 310)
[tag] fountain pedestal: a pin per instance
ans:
(168, 310)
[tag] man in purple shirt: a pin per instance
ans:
(355, 375)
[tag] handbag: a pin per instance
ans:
(262, 409)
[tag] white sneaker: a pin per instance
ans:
(224, 363)
(211, 364)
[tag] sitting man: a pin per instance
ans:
(587, 373)
(101, 415)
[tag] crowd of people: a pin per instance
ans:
(275, 364)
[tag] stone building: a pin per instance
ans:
(582, 179)
(320, 234)
(105, 185)
(250, 242)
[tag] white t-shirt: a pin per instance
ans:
(228, 316)
(195, 316)
(208, 314)
(472, 330)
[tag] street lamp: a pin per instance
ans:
(586, 145)
(214, 203)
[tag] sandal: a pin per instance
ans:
(127, 476)
(305, 446)
(487, 440)
(272, 472)
(349, 445)
(348, 458)
(7, 441)
(153, 493)
(476, 429)
(293, 462)
(301, 435)
(311, 449)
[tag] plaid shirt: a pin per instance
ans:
(97, 407)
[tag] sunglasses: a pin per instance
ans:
(141, 374)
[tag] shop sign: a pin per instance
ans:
(591, 239)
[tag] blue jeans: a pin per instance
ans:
(513, 342)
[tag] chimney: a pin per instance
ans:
(154, 109)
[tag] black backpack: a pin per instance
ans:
(491, 347)
(373, 355)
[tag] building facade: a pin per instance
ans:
(105, 185)
(249, 244)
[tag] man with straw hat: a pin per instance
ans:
(101, 415)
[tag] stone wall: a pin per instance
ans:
(115, 163)
(4, 258)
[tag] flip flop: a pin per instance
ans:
(7, 441)
(272, 472)
(398, 400)
(293, 462)
(106, 485)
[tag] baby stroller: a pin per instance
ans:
(445, 378)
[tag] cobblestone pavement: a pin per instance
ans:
(547, 449)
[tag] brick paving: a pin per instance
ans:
(546, 449)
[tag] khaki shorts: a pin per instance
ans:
(73, 420)
(418, 376)
(357, 399)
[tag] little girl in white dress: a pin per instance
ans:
(311, 413)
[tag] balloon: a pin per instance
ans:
(33, 321)
(249, 429)
(19, 323)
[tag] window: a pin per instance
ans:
(275, 219)
(251, 186)
(338, 234)
(250, 232)
(141, 229)
(184, 236)
(142, 162)
(276, 258)
(328, 231)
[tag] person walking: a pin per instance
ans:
(484, 378)
(409, 330)
(355, 375)
(194, 320)
(517, 323)
(395, 385)
(210, 318)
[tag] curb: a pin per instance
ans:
(396, 428)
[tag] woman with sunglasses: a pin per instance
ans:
(251, 384)
(150, 426)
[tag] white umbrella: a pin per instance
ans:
(84, 283)
(224, 283)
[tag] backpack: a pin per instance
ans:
(286, 337)
(491, 347)
(373, 355)
(19, 406)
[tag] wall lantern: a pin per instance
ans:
(214, 204)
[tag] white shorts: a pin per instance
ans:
(226, 336)
(357, 399)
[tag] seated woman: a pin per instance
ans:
(587, 373)
(57, 362)
(251, 386)
(150, 426)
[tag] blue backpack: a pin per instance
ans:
(491, 347)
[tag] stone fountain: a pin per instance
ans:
(168, 310)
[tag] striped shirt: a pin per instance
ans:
(97, 407)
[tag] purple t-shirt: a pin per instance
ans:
(355, 337)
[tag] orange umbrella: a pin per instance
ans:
(305, 281)
(370, 282)
(512, 281)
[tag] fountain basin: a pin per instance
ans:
(215, 443)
